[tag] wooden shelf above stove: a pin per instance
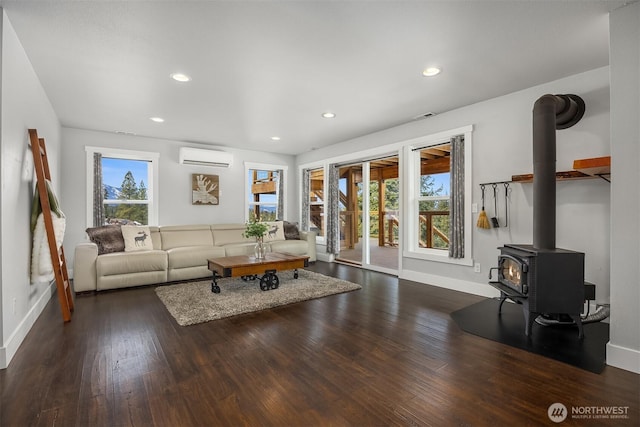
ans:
(595, 166)
(583, 169)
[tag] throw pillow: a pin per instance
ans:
(275, 232)
(136, 238)
(108, 238)
(291, 231)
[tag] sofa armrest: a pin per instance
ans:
(84, 267)
(310, 237)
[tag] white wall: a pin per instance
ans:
(501, 148)
(24, 105)
(624, 347)
(175, 206)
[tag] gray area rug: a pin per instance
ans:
(193, 302)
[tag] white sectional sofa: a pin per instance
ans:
(178, 252)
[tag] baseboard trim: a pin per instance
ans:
(481, 289)
(623, 358)
(325, 257)
(13, 343)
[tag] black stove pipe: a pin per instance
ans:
(550, 112)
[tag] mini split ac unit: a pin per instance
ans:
(200, 157)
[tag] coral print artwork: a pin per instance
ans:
(205, 189)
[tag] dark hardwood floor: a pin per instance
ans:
(388, 354)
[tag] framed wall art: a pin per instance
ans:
(205, 189)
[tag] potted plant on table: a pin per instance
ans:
(257, 229)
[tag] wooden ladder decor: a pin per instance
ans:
(58, 260)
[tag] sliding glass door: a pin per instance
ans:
(351, 190)
(369, 214)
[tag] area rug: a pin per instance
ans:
(556, 342)
(193, 302)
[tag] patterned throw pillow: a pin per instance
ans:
(108, 238)
(275, 231)
(136, 238)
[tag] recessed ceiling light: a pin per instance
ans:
(179, 77)
(157, 119)
(328, 115)
(275, 138)
(431, 71)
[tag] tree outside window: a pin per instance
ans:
(124, 184)
(128, 203)
(433, 210)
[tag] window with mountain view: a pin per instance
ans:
(263, 188)
(126, 200)
(123, 183)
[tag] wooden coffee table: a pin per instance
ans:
(250, 268)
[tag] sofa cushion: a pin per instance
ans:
(131, 262)
(108, 238)
(177, 236)
(294, 247)
(229, 233)
(193, 256)
(136, 238)
(235, 249)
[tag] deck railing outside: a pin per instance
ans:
(431, 236)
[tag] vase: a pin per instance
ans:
(260, 249)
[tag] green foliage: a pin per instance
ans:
(438, 222)
(427, 184)
(263, 215)
(142, 191)
(129, 190)
(255, 229)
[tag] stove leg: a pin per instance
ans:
(502, 300)
(576, 318)
(529, 318)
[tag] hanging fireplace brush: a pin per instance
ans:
(483, 221)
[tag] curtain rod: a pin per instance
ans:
(357, 162)
(436, 145)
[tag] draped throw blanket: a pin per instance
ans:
(41, 264)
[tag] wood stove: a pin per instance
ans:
(546, 280)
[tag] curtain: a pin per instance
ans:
(98, 192)
(333, 211)
(280, 212)
(306, 210)
(456, 214)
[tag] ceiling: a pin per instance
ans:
(271, 68)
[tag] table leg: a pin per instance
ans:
(214, 284)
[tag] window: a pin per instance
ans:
(265, 192)
(122, 187)
(316, 201)
(429, 199)
(433, 198)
